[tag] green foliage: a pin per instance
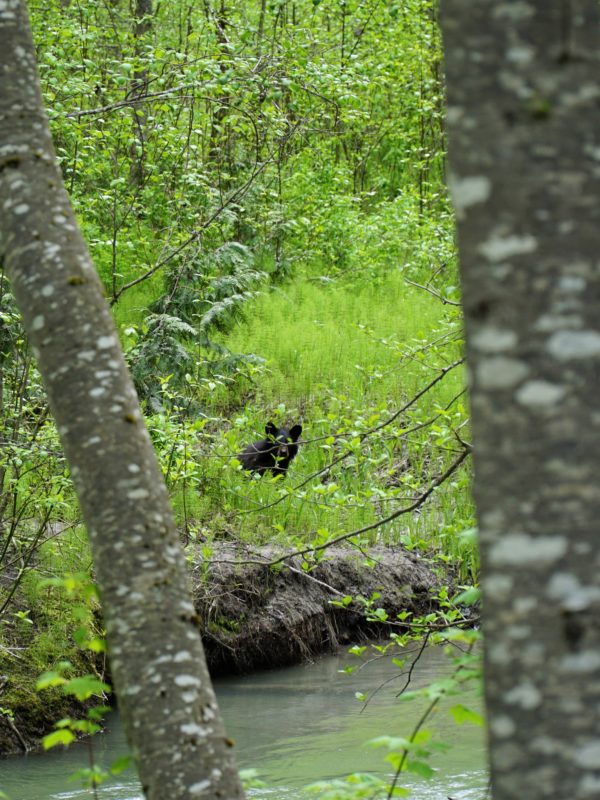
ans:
(82, 688)
(261, 188)
(250, 780)
(355, 787)
(203, 295)
(463, 715)
(256, 216)
(362, 459)
(55, 632)
(288, 144)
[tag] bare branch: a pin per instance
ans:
(443, 299)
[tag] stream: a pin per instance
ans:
(294, 726)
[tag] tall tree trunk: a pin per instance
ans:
(162, 684)
(219, 149)
(261, 27)
(141, 26)
(524, 137)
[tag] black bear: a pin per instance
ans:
(273, 453)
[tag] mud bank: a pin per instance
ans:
(255, 616)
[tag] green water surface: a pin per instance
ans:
(294, 726)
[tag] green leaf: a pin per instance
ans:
(90, 776)
(469, 597)
(470, 536)
(64, 737)
(98, 713)
(121, 764)
(462, 715)
(419, 768)
(357, 650)
(96, 644)
(49, 679)
(85, 687)
(250, 779)
(391, 742)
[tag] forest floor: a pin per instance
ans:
(255, 614)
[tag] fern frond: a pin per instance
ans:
(221, 311)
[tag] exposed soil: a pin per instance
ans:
(253, 616)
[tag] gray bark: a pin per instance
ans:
(524, 137)
(162, 684)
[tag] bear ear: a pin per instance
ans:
(295, 432)
(271, 429)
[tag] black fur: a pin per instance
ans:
(274, 453)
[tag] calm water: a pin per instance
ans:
(294, 726)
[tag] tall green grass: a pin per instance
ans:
(361, 340)
(342, 357)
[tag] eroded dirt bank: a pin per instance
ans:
(253, 616)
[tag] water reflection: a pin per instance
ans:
(294, 726)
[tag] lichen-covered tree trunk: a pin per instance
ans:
(523, 82)
(162, 684)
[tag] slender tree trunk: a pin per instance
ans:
(162, 684)
(261, 27)
(219, 151)
(524, 136)
(141, 27)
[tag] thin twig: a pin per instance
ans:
(315, 580)
(440, 297)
